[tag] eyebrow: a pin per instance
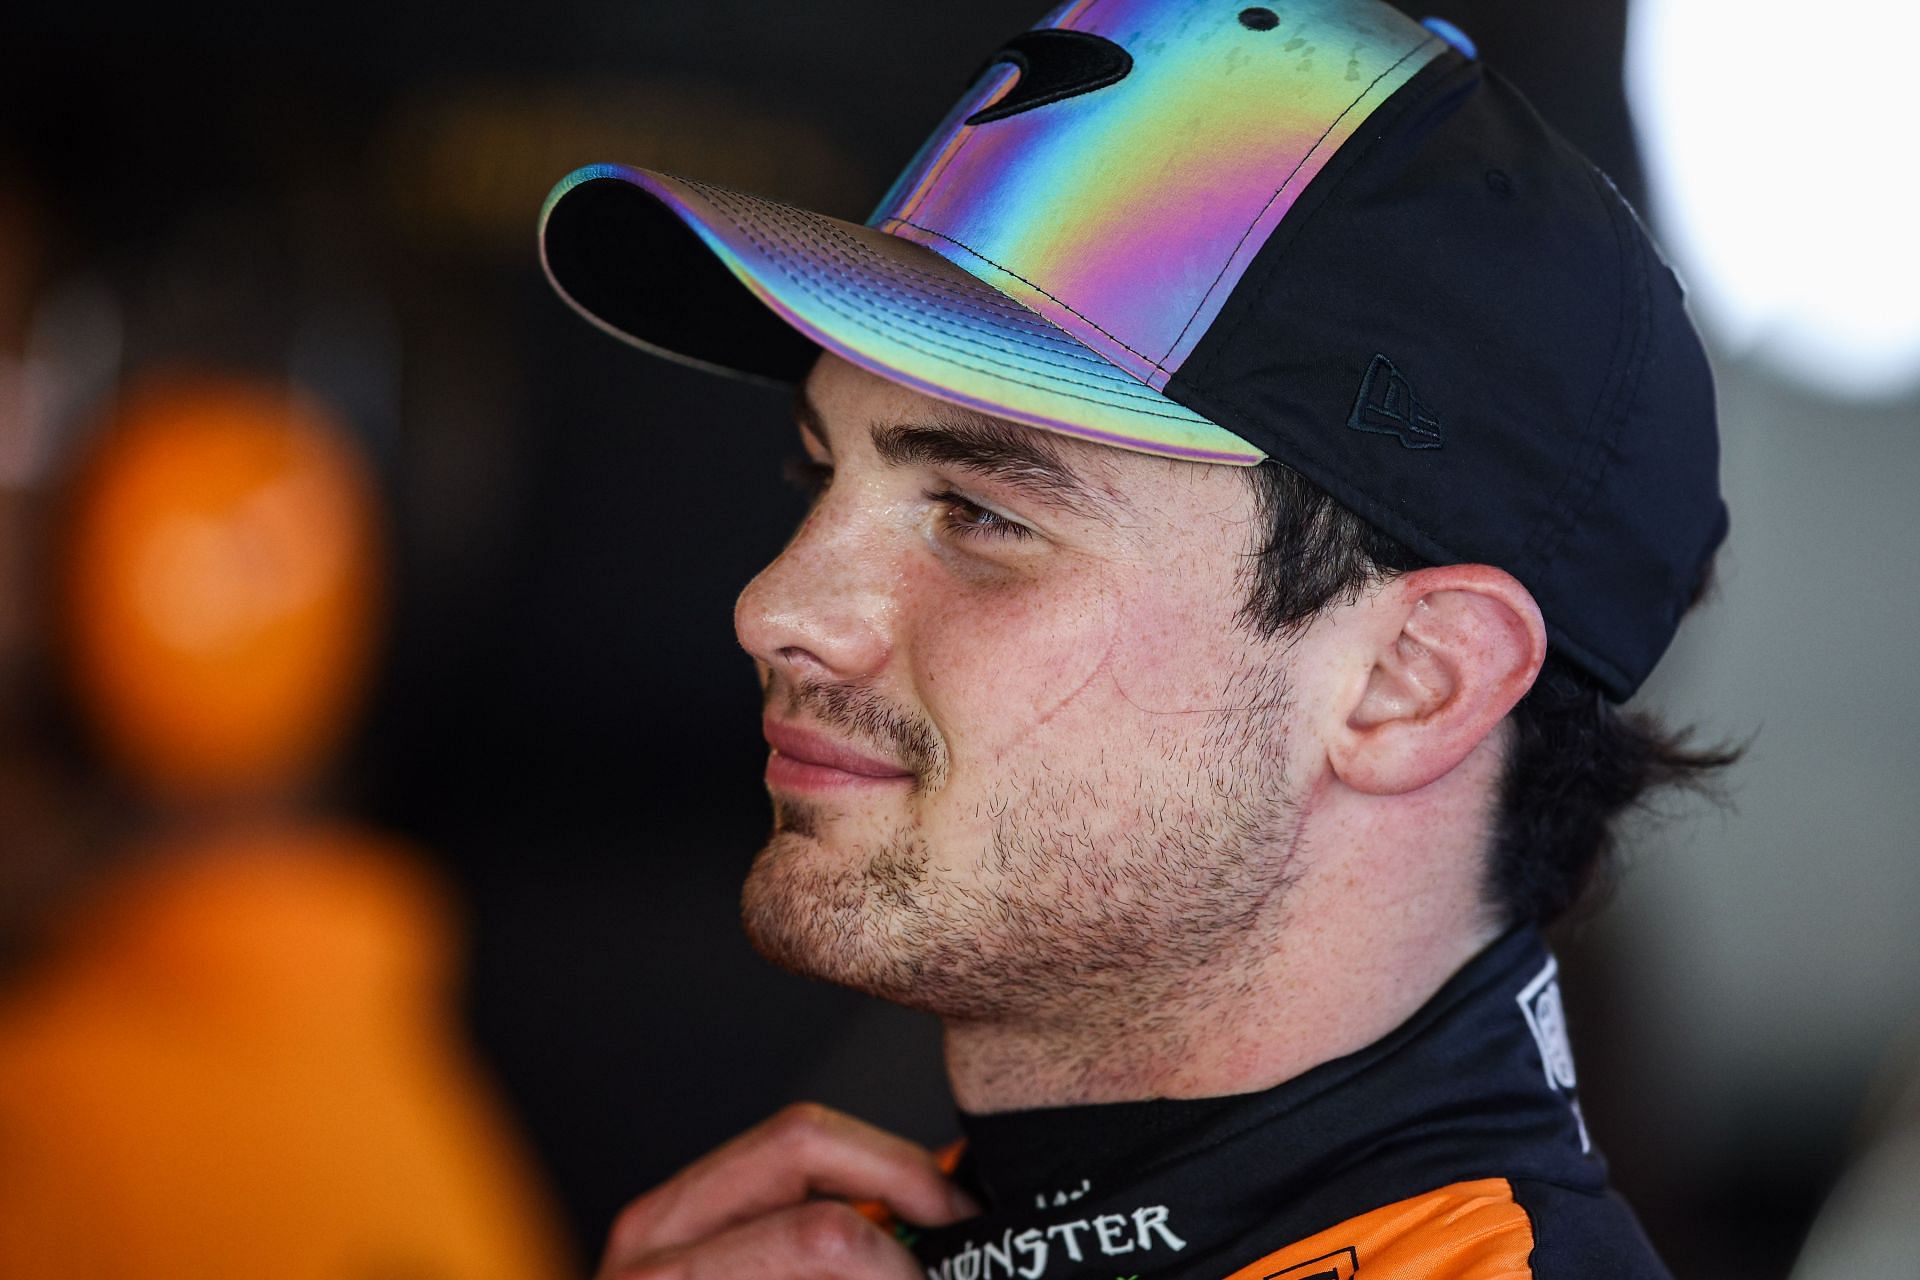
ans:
(1020, 458)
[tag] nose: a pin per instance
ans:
(821, 611)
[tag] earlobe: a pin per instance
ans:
(1453, 648)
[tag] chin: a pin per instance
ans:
(870, 920)
(812, 910)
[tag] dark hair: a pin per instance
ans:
(1574, 762)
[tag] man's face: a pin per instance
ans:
(1025, 753)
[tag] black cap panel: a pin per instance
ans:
(1641, 550)
(1461, 333)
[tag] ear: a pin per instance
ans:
(1452, 648)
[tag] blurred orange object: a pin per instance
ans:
(241, 1055)
(220, 585)
(242, 1061)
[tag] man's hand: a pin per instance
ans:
(753, 1208)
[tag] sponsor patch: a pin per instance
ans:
(1546, 1017)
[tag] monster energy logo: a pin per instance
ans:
(1026, 1255)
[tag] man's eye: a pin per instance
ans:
(808, 475)
(971, 520)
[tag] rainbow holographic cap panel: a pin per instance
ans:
(1127, 215)
(1065, 238)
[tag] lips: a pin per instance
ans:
(807, 760)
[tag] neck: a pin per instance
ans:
(1386, 913)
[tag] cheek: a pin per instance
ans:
(1175, 653)
(996, 661)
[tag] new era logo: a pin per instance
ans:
(1387, 406)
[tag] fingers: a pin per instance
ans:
(820, 1240)
(805, 1151)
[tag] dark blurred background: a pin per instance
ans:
(347, 197)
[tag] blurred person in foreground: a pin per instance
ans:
(1254, 457)
(233, 1049)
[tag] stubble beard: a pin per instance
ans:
(1121, 884)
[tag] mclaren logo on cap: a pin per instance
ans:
(1386, 405)
(1054, 65)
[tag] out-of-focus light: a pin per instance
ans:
(1780, 143)
(467, 162)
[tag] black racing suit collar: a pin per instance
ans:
(1477, 1083)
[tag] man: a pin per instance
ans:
(1250, 451)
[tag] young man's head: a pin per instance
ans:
(1035, 743)
(1222, 424)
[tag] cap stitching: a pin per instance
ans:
(1031, 285)
(934, 347)
(1285, 183)
(1026, 336)
(809, 279)
(828, 226)
(1577, 490)
(754, 231)
(873, 269)
(938, 349)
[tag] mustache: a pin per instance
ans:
(868, 718)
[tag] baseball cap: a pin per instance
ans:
(1315, 231)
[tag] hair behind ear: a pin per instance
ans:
(1575, 763)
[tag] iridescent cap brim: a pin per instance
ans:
(615, 243)
(1059, 249)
